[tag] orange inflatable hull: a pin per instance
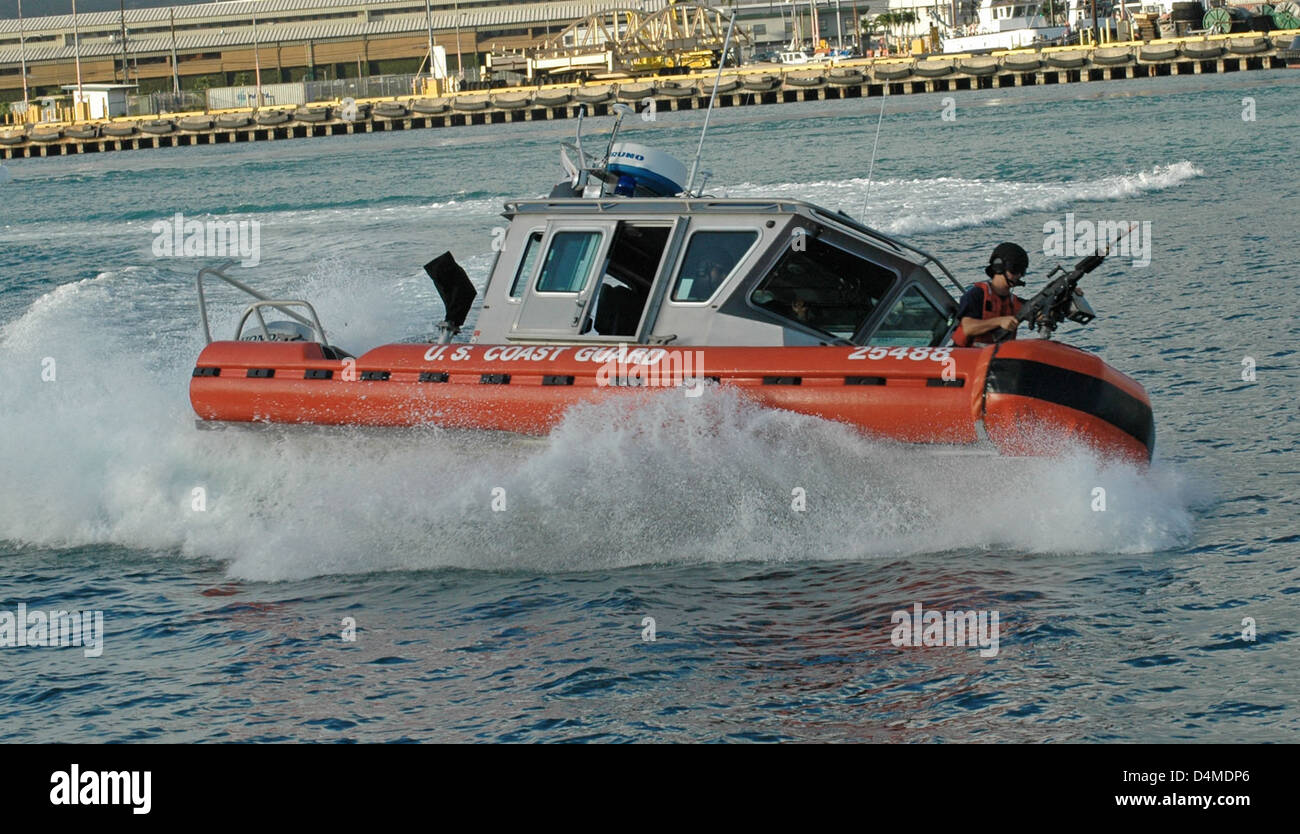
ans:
(1025, 397)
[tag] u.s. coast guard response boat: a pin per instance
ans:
(628, 277)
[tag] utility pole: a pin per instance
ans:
(176, 73)
(76, 48)
(22, 52)
(121, 16)
(257, 64)
(428, 24)
(460, 67)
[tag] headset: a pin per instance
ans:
(997, 265)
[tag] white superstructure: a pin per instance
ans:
(1003, 24)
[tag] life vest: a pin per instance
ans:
(995, 306)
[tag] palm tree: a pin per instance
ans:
(886, 21)
(865, 27)
(889, 20)
(908, 18)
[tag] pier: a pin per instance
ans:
(762, 84)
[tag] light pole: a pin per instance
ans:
(22, 53)
(121, 16)
(176, 73)
(257, 64)
(460, 66)
(76, 49)
(428, 23)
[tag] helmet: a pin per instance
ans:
(1007, 257)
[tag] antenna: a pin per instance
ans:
(872, 166)
(582, 157)
(726, 47)
(622, 110)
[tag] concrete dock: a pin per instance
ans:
(764, 84)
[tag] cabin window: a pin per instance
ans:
(822, 287)
(914, 321)
(569, 262)
(710, 259)
(531, 248)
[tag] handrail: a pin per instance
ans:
(282, 305)
(219, 272)
(841, 217)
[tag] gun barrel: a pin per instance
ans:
(1089, 263)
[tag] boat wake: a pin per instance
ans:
(920, 206)
(100, 447)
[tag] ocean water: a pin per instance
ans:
(226, 623)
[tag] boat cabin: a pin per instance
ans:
(702, 271)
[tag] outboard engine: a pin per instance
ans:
(279, 331)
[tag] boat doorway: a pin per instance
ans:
(619, 301)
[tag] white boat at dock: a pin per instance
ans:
(1004, 24)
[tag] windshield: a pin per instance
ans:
(823, 287)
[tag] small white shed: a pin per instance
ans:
(106, 101)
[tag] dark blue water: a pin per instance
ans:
(225, 622)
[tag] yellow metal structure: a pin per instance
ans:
(683, 35)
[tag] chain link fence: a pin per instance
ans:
(153, 104)
(273, 95)
(278, 95)
(375, 86)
